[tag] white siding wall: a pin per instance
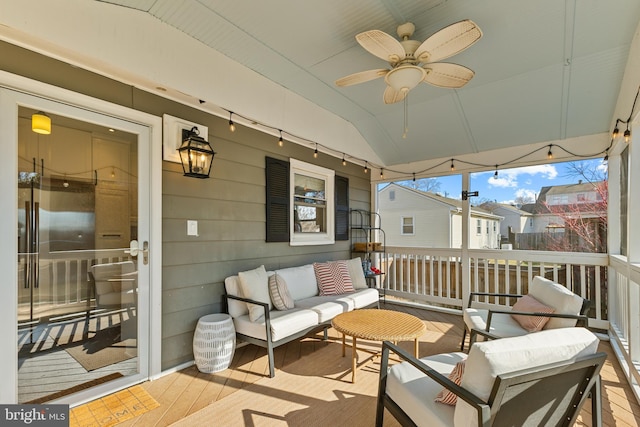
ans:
(431, 219)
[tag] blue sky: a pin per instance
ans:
(511, 183)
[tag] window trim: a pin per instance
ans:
(413, 225)
(328, 175)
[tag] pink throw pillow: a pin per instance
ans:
(333, 278)
(446, 396)
(528, 303)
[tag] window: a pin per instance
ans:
(392, 195)
(407, 225)
(487, 227)
(494, 227)
(312, 204)
(478, 226)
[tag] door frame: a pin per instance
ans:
(17, 90)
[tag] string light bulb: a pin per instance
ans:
(232, 126)
(549, 153)
(344, 162)
(280, 141)
(113, 173)
(315, 152)
(453, 167)
(366, 168)
(381, 173)
(495, 175)
(414, 177)
(627, 135)
(606, 156)
(616, 131)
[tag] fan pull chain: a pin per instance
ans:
(406, 116)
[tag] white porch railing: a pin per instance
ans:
(435, 276)
(624, 318)
(63, 284)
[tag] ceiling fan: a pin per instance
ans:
(413, 62)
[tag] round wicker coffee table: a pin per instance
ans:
(376, 325)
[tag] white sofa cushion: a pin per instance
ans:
(254, 285)
(283, 323)
(416, 392)
(364, 297)
(301, 281)
(489, 359)
(236, 308)
(354, 266)
(327, 306)
(558, 297)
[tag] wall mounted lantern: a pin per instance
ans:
(196, 154)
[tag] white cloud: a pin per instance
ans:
(509, 177)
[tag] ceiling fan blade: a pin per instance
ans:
(361, 77)
(448, 41)
(382, 45)
(391, 96)
(444, 74)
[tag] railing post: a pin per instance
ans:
(465, 265)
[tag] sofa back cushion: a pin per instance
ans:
(301, 281)
(356, 273)
(556, 296)
(489, 359)
(236, 308)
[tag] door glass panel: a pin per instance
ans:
(77, 286)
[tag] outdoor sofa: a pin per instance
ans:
(271, 308)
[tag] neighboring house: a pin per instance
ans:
(568, 217)
(416, 218)
(554, 203)
(515, 220)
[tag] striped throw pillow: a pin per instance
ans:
(527, 303)
(445, 396)
(280, 296)
(333, 277)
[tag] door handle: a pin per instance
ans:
(133, 248)
(145, 252)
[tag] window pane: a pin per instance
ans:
(310, 213)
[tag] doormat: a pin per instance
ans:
(103, 349)
(77, 388)
(113, 409)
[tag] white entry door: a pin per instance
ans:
(79, 308)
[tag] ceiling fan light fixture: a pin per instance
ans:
(405, 78)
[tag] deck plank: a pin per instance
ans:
(185, 392)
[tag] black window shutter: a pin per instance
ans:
(342, 207)
(277, 199)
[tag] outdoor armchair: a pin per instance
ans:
(532, 380)
(567, 310)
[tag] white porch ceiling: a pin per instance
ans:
(546, 70)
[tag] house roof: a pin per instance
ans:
(452, 204)
(492, 207)
(546, 72)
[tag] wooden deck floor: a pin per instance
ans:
(184, 393)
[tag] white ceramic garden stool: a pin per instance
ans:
(214, 342)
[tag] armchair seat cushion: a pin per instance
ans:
(502, 325)
(416, 392)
